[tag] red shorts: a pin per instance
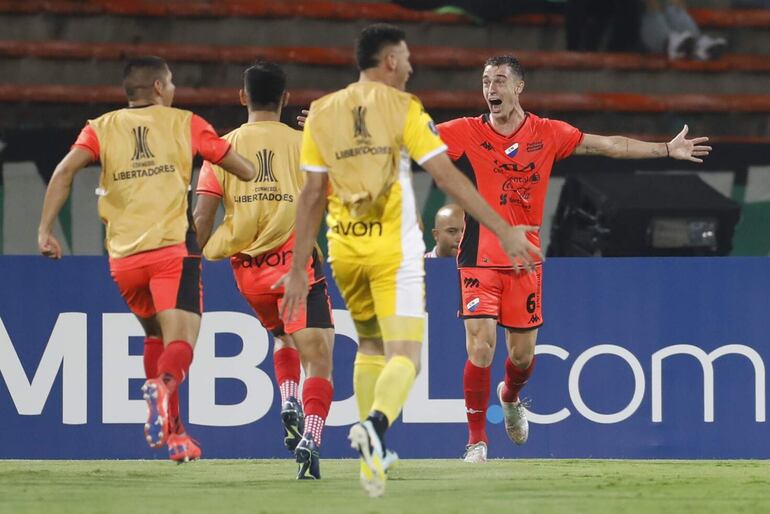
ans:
(158, 280)
(255, 277)
(512, 298)
(316, 314)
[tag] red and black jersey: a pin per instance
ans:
(510, 172)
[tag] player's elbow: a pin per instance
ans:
(63, 175)
(235, 164)
(248, 173)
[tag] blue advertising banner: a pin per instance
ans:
(638, 358)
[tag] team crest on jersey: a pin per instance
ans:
(512, 150)
(265, 163)
(359, 123)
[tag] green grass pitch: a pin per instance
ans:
(416, 486)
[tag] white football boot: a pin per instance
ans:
(516, 424)
(475, 453)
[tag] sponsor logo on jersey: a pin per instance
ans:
(265, 165)
(358, 228)
(486, 145)
(473, 305)
(512, 150)
(141, 147)
(534, 319)
(271, 259)
(469, 282)
(512, 166)
(534, 147)
(143, 172)
(363, 138)
(261, 196)
(359, 123)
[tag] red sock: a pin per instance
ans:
(287, 368)
(174, 364)
(317, 395)
(173, 413)
(515, 379)
(153, 349)
(476, 391)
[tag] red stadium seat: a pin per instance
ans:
(430, 57)
(326, 9)
(455, 100)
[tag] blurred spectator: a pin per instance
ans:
(667, 27)
(751, 3)
(485, 11)
(603, 25)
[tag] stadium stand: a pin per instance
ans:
(53, 45)
(60, 61)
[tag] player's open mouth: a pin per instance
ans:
(494, 104)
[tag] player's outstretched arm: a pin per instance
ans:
(203, 217)
(310, 210)
(57, 193)
(620, 147)
(234, 163)
(513, 239)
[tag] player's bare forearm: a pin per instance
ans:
(55, 195)
(234, 163)
(310, 210)
(203, 217)
(60, 186)
(513, 239)
(621, 147)
(450, 180)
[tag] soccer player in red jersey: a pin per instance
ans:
(510, 154)
(146, 152)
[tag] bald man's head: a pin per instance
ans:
(448, 229)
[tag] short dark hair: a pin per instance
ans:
(141, 73)
(512, 62)
(264, 83)
(372, 40)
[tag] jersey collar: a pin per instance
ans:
(486, 121)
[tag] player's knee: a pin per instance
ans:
(522, 361)
(481, 353)
(410, 351)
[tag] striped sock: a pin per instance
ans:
(317, 395)
(315, 425)
(289, 388)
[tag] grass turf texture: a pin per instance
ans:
(440, 486)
